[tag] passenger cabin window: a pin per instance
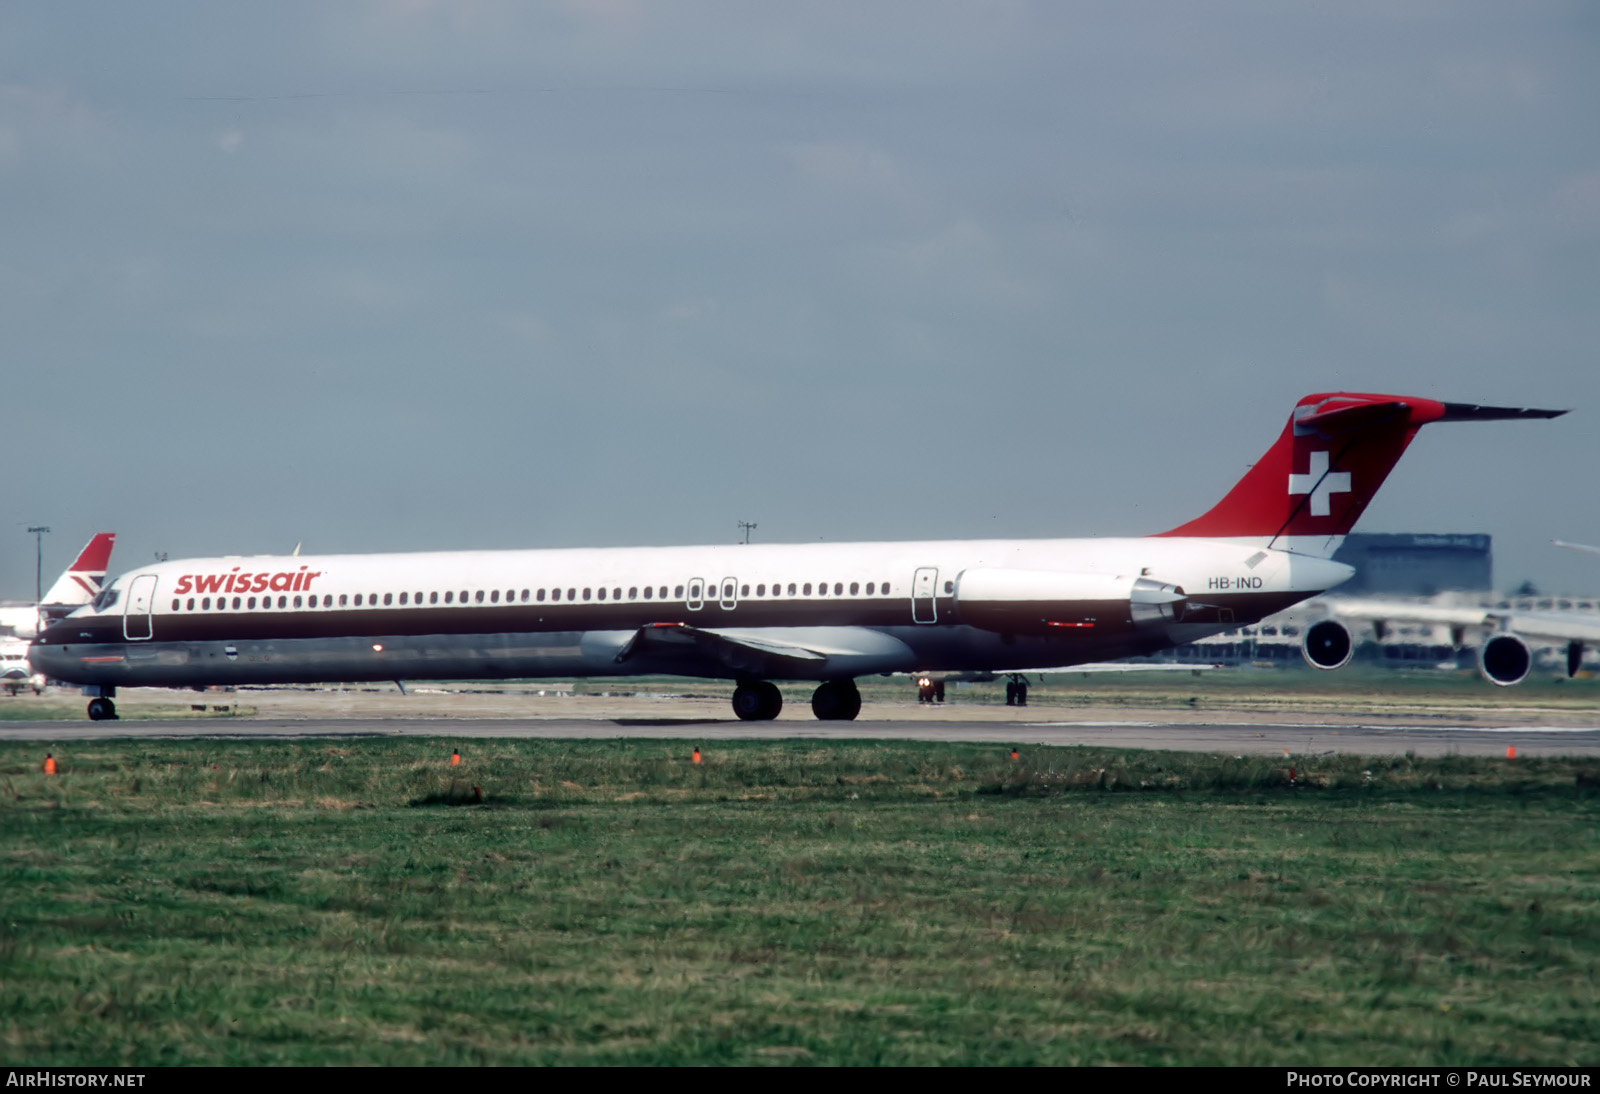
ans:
(633, 593)
(358, 600)
(761, 590)
(388, 598)
(806, 588)
(524, 596)
(494, 596)
(206, 604)
(744, 590)
(586, 594)
(869, 588)
(283, 602)
(191, 603)
(175, 603)
(402, 600)
(854, 588)
(647, 591)
(677, 592)
(433, 598)
(252, 602)
(602, 594)
(297, 600)
(236, 603)
(541, 594)
(342, 601)
(479, 596)
(791, 589)
(449, 596)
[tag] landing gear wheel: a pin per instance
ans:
(836, 701)
(758, 702)
(102, 710)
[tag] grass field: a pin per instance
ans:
(230, 902)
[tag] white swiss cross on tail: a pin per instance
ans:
(1319, 484)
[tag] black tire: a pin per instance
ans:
(748, 703)
(771, 700)
(836, 701)
(758, 702)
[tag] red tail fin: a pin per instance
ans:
(1318, 478)
(83, 579)
(96, 556)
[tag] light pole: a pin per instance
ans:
(37, 532)
(748, 528)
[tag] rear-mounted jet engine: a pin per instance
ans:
(1048, 602)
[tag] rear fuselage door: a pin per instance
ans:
(697, 592)
(141, 602)
(730, 593)
(924, 586)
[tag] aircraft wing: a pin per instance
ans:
(1386, 611)
(1560, 628)
(743, 653)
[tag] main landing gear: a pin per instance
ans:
(102, 710)
(757, 702)
(833, 701)
(836, 701)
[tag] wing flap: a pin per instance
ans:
(742, 654)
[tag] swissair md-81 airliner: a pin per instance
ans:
(827, 613)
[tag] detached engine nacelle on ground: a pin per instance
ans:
(1049, 602)
(1327, 645)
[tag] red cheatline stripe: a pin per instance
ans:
(117, 657)
(1050, 624)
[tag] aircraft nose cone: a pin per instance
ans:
(48, 660)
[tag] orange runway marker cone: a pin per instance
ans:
(696, 757)
(49, 764)
(455, 758)
(1511, 752)
(1013, 754)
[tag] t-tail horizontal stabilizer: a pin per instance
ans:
(1313, 484)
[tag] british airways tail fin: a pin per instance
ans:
(82, 580)
(1313, 484)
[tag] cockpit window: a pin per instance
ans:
(106, 598)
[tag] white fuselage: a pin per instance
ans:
(804, 611)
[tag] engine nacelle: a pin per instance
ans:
(1505, 660)
(1327, 645)
(1050, 602)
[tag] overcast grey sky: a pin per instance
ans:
(386, 276)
